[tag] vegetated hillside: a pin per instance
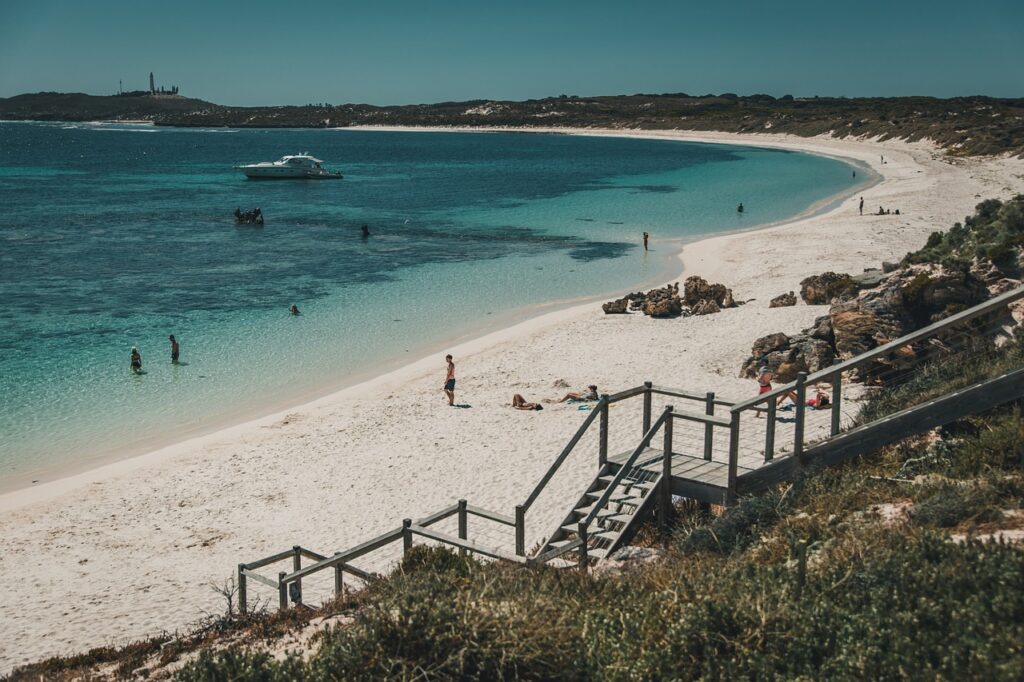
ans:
(908, 562)
(963, 125)
(76, 106)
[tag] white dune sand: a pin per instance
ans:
(129, 549)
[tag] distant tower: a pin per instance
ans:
(152, 87)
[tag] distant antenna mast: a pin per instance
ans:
(120, 87)
(152, 87)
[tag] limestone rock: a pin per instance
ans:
(697, 289)
(616, 307)
(783, 301)
(821, 289)
(706, 307)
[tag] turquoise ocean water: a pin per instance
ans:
(116, 235)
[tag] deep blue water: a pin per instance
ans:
(117, 235)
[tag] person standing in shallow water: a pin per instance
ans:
(365, 232)
(294, 309)
(449, 380)
(136, 361)
(175, 349)
(646, 236)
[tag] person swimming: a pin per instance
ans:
(294, 309)
(739, 209)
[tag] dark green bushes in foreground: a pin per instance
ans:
(913, 605)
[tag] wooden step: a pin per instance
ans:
(626, 483)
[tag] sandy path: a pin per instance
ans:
(129, 549)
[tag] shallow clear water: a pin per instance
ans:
(118, 235)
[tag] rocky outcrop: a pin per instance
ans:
(891, 305)
(663, 302)
(822, 289)
(699, 298)
(783, 301)
(619, 306)
(788, 355)
(705, 307)
(697, 289)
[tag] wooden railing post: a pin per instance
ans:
(769, 433)
(282, 591)
(837, 398)
(242, 600)
(603, 445)
(734, 454)
(520, 530)
(709, 429)
(296, 565)
(582, 533)
(647, 406)
(801, 414)
(339, 580)
(406, 536)
(463, 523)
(665, 489)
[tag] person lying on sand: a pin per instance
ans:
(583, 396)
(818, 402)
(519, 402)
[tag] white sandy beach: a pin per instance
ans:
(130, 549)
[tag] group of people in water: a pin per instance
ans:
(135, 359)
(135, 362)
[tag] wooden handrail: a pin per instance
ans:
(274, 558)
(487, 514)
(556, 552)
(679, 393)
(624, 468)
(702, 418)
(464, 544)
(259, 578)
(628, 393)
(561, 458)
(988, 306)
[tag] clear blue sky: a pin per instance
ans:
(399, 52)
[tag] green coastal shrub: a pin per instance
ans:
(995, 232)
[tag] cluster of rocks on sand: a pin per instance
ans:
(699, 297)
(874, 308)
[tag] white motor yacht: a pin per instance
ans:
(289, 167)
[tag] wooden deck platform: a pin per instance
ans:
(692, 477)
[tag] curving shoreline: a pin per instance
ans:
(387, 448)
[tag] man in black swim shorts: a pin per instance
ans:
(449, 381)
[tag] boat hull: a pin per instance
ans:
(288, 174)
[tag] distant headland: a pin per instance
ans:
(973, 125)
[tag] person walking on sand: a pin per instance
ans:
(764, 377)
(175, 350)
(136, 361)
(646, 236)
(449, 380)
(862, 205)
